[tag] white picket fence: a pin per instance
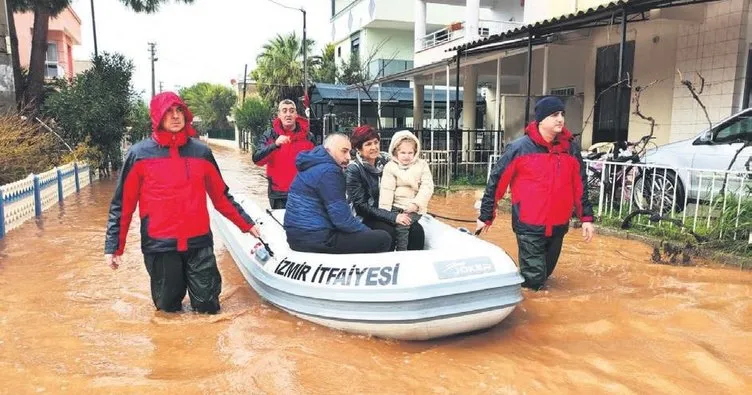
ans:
(24, 199)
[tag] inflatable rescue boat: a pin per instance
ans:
(458, 283)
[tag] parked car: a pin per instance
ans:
(694, 169)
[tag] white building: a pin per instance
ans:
(572, 48)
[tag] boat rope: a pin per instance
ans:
(273, 217)
(467, 221)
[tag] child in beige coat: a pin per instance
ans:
(406, 183)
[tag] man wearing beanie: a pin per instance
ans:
(546, 174)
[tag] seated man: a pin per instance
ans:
(318, 217)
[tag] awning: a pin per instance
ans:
(603, 15)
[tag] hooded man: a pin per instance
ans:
(169, 176)
(318, 217)
(547, 176)
(278, 148)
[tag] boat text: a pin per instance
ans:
(352, 276)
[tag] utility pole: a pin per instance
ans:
(305, 53)
(305, 63)
(245, 80)
(153, 53)
(94, 28)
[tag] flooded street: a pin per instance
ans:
(610, 321)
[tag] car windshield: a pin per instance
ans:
(738, 129)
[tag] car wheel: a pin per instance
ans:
(659, 190)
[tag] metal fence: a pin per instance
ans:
(28, 198)
(468, 151)
(441, 166)
(713, 203)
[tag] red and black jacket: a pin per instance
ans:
(280, 161)
(546, 180)
(169, 176)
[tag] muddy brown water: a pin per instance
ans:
(610, 322)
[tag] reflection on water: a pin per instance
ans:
(610, 321)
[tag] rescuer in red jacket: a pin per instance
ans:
(169, 176)
(277, 149)
(547, 177)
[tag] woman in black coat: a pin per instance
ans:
(363, 176)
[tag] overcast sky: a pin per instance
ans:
(210, 40)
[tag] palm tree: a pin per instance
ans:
(279, 69)
(325, 65)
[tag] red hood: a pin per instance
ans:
(560, 144)
(159, 106)
(301, 126)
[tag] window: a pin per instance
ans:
(355, 44)
(51, 66)
(339, 52)
(738, 129)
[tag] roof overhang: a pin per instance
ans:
(603, 15)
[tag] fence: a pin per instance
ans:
(715, 204)
(441, 166)
(24, 199)
(222, 134)
(468, 151)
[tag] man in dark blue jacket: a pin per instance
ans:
(318, 217)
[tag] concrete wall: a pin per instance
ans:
(397, 44)
(655, 60)
(717, 49)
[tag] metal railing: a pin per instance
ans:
(441, 167)
(713, 203)
(468, 150)
(486, 28)
(439, 37)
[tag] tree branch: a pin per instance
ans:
(638, 95)
(695, 94)
(598, 98)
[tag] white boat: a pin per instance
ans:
(459, 283)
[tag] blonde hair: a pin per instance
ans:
(401, 141)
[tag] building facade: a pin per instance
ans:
(7, 85)
(64, 32)
(572, 49)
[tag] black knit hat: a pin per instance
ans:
(547, 106)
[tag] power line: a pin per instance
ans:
(285, 6)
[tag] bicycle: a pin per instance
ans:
(620, 179)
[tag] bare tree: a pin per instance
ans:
(696, 95)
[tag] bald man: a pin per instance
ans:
(318, 217)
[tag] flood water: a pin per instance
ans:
(609, 322)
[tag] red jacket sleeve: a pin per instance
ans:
(123, 205)
(223, 201)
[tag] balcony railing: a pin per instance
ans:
(441, 37)
(457, 30)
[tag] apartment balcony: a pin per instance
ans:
(432, 47)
